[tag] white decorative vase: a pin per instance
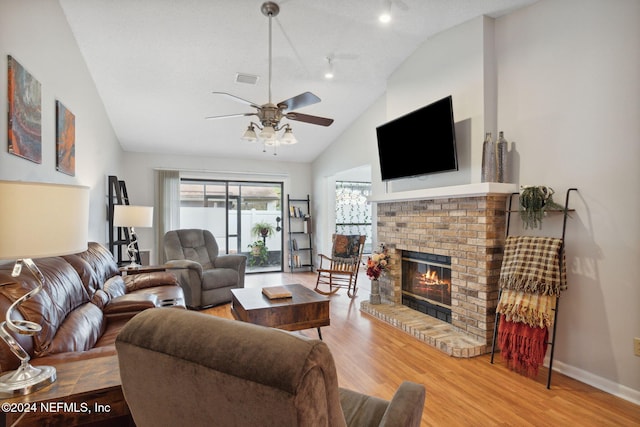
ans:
(374, 297)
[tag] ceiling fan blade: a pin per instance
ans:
(236, 98)
(299, 101)
(315, 120)
(226, 116)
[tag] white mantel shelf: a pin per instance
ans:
(467, 190)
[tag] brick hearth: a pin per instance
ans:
(470, 229)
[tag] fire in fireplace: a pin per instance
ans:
(426, 283)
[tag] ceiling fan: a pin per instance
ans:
(271, 114)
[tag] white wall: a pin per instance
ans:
(355, 148)
(569, 96)
(37, 35)
(561, 78)
(449, 63)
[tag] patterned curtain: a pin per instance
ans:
(353, 212)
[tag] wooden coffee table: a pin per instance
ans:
(304, 310)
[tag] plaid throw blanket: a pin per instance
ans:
(534, 310)
(533, 264)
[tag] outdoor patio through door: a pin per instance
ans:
(237, 213)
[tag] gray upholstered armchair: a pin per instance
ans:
(205, 276)
(180, 367)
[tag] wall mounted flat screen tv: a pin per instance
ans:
(419, 143)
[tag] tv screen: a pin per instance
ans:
(419, 143)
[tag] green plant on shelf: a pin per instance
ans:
(534, 201)
(262, 229)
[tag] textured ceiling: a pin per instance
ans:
(156, 62)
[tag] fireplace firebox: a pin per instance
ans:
(426, 283)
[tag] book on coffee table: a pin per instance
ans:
(276, 292)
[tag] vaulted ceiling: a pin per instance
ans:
(156, 63)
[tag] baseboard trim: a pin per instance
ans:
(600, 383)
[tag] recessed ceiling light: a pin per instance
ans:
(329, 71)
(385, 17)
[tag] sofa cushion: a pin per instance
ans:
(101, 261)
(115, 287)
(62, 292)
(100, 299)
(80, 331)
(135, 282)
(130, 303)
(87, 274)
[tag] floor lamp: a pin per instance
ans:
(44, 220)
(132, 216)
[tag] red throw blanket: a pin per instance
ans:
(523, 347)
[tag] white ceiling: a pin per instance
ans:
(156, 62)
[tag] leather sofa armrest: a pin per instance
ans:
(149, 280)
(130, 303)
(177, 264)
(232, 261)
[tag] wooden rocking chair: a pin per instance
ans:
(341, 269)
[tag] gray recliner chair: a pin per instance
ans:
(180, 367)
(205, 276)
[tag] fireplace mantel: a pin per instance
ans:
(467, 190)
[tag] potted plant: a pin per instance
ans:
(259, 253)
(262, 229)
(534, 201)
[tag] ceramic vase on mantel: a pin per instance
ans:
(374, 297)
(488, 159)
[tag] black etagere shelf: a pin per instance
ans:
(300, 234)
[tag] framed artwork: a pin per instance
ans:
(25, 114)
(65, 140)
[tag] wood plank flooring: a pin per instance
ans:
(374, 358)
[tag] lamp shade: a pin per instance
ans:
(40, 220)
(132, 216)
(268, 132)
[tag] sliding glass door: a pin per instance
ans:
(244, 217)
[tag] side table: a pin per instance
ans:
(86, 391)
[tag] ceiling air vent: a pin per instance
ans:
(246, 78)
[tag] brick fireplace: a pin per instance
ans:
(465, 224)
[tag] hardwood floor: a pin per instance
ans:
(374, 358)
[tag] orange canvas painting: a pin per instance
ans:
(25, 115)
(65, 140)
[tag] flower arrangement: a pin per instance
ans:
(378, 263)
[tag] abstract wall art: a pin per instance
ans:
(65, 140)
(25, 114)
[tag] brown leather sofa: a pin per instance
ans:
(83, 305)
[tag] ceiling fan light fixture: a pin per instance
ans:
(288, 138)
(270, 114)
(250, 134)
(268, 133)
